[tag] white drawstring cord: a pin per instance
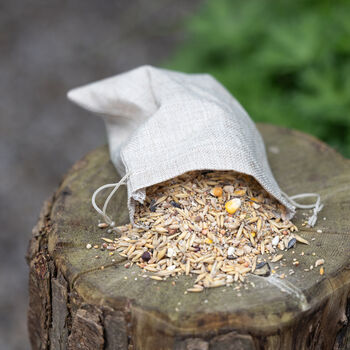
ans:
(317, 206)
(108, 220)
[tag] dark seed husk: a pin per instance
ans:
(231, 257)
(205, 172)
(146, 256)
(291, 243)
(152, 206)
(175, 204)
(260, 265)
(262, 269)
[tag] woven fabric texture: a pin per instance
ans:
(161, 124)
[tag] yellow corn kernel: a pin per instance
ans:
(208, 241)
(253, 234)
(216, 191)
(232, 205)
(322, 271)
(256, 199)
(239, 193)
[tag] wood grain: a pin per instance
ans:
(71, 297)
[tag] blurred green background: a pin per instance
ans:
(287, 62)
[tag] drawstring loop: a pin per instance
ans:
(116, 186)
(317, 206)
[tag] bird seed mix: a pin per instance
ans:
(212, 225)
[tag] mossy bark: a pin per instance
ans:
(78, 301)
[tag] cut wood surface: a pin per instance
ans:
(78, 301)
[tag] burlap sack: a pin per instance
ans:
(161, 124)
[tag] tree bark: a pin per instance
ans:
(78, 301)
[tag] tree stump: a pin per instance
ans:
(78, 301)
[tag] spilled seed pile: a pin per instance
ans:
(213, 225)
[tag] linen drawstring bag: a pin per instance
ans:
(161, 124)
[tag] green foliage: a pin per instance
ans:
(287, 62)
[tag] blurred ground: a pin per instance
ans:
(46, 48)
